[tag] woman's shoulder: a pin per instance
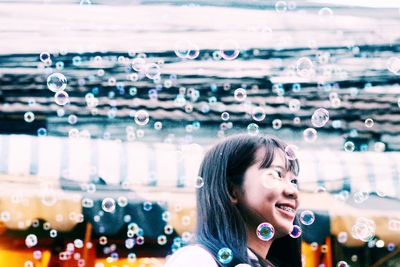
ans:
(192, 255)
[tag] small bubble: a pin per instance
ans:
(229, 50)
(225, 255)
(61, 98)
(310, 135)
(265, 231)
(31, 240)
(369, 122)
(240, 94)
(276, 124)
(281, 6)
(252, 129)
(152, 71)
(29, 116)
(56, 82)
(258, 114)
(108, 204)
(142, 117)
(294, 105)
(44, 57)
(307, 217)
(162, 240)
(295, 232)
(342, 264)
(342, 237)
(349, 146)
(225, 116)
(304, 67)
(199, 182)
(320, 117)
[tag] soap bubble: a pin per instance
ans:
(369, 123)
(258, 114)
(265, 231)
(252, 129)
(56, 82)
(29, 116)
(225, 255)
(320, 117)
(152, 71)
(307, 217)
(240, 94)
(61, 98)
(349, 146)
(142, 117)
(295, 232)
(310, 135)
(31, 240)
(281, 6)
(305, 67)
(108, 204)
(229, 50)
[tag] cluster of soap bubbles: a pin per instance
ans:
(363, 229)
(57, 83)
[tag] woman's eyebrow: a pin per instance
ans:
(277, 166)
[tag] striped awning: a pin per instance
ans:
(170, 165)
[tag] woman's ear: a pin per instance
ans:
(234, 192)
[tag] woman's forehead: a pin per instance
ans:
(279, 158)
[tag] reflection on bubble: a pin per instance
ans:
(304, 67)
(252, 129)
(265, 231)
(349, 146)
(61, 98)
(186, 50)
(147, 206)
(29, 116)
(240, 94)
(295, 232)
(142, 117)
(229, 50)
(108, 204)
(258, 113)
(307, 217)
(158, 125)
(320, 117)
(225, 255)
(56, 82)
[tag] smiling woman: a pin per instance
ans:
(246, 209)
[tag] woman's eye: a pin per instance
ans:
(277, 174)
(294, 181)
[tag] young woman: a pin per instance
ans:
(246, 207)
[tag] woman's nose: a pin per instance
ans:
(291, 190)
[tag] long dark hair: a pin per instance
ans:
(219, 222)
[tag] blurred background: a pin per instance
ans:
(107, 108)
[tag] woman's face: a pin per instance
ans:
(269, 194)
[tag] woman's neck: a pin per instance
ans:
(258, 246)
